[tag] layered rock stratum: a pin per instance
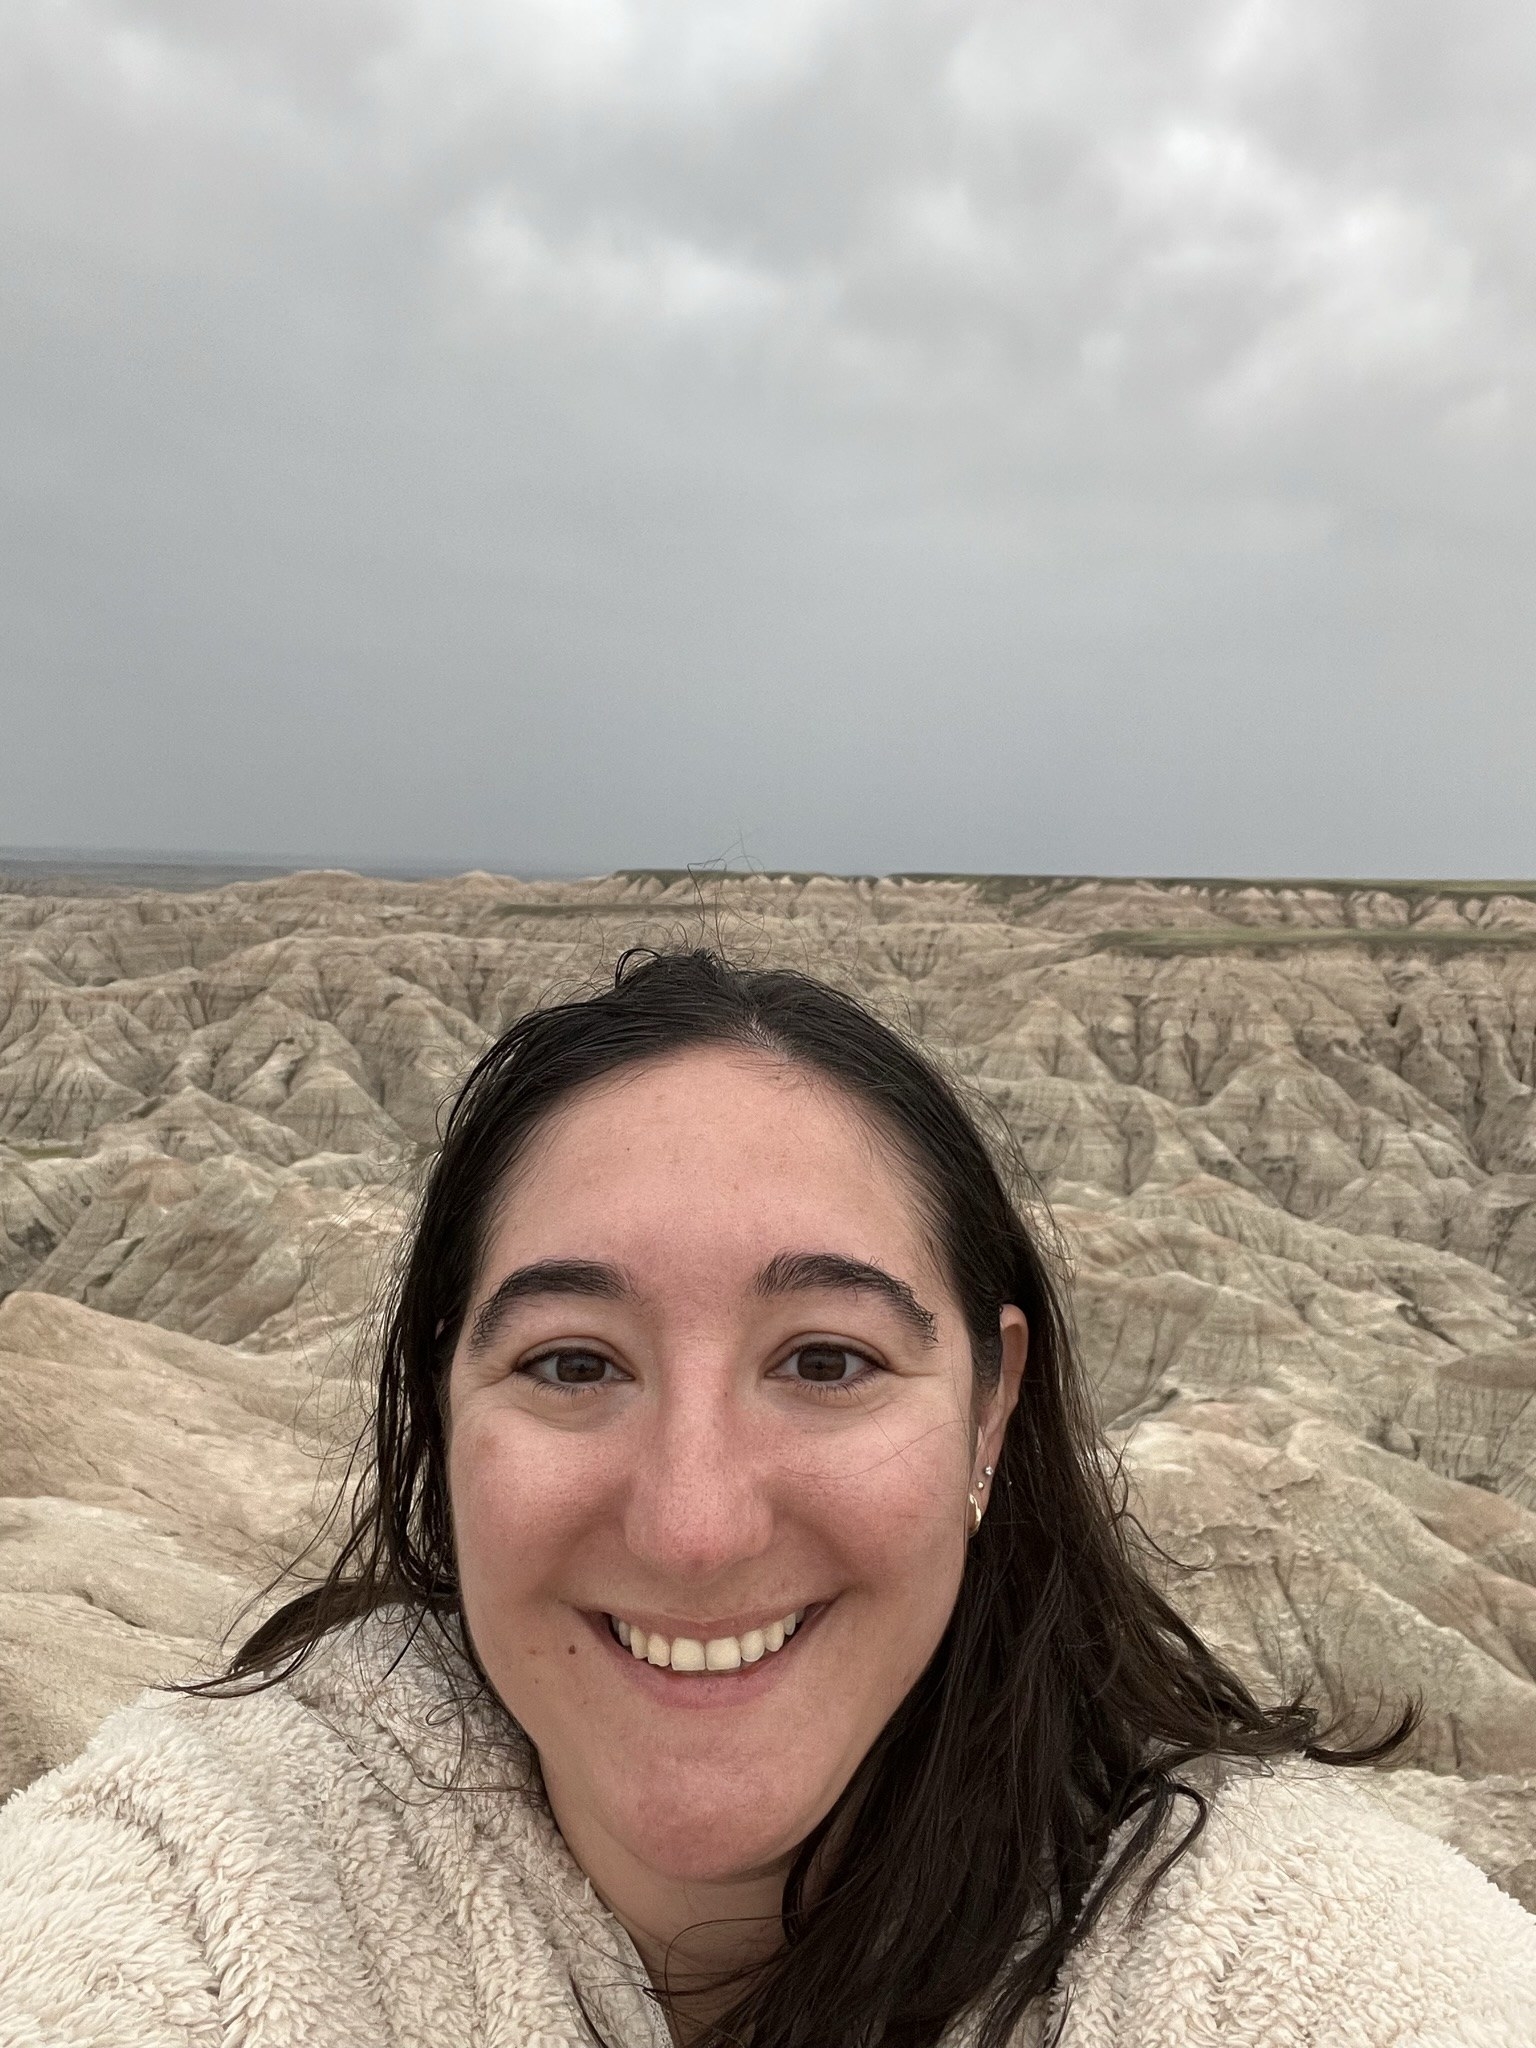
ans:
(1287, 1132)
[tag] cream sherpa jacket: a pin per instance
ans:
(283, 1869)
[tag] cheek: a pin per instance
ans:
(898, 1513)
(513, 1510)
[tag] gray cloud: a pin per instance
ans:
(563, 434)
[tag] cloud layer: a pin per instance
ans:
(565, 432)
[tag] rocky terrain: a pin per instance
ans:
(1288, 1134)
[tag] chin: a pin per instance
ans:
(693, 1839)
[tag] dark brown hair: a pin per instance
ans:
(967, 1856)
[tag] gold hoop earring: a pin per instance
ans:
(975, 1512)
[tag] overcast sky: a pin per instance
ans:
(1066, 435)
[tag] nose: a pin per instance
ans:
(698, 1500)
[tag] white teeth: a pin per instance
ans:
(720, 1653)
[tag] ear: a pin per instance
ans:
(1014, 1332)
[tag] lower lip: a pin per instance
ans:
(708, 1688)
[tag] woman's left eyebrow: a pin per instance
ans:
(793, 1272)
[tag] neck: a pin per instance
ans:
(689, 1932)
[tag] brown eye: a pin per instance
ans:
(827, 1365)
(568, 1369)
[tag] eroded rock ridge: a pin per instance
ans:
(1288, 1133)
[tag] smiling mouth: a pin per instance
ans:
(720, 1653)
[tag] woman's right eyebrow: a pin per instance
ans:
(544, 1277)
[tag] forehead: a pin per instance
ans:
(714, 1148)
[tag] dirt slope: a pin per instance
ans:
(1288, 1131)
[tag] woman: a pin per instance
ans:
(736, 1640)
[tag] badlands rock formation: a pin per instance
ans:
(1288, 1135)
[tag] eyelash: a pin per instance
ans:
(526, 1371)
(822, 1390)
(834, 1390)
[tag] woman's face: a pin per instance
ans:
(712, 1377)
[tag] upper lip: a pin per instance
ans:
(707, 1631)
